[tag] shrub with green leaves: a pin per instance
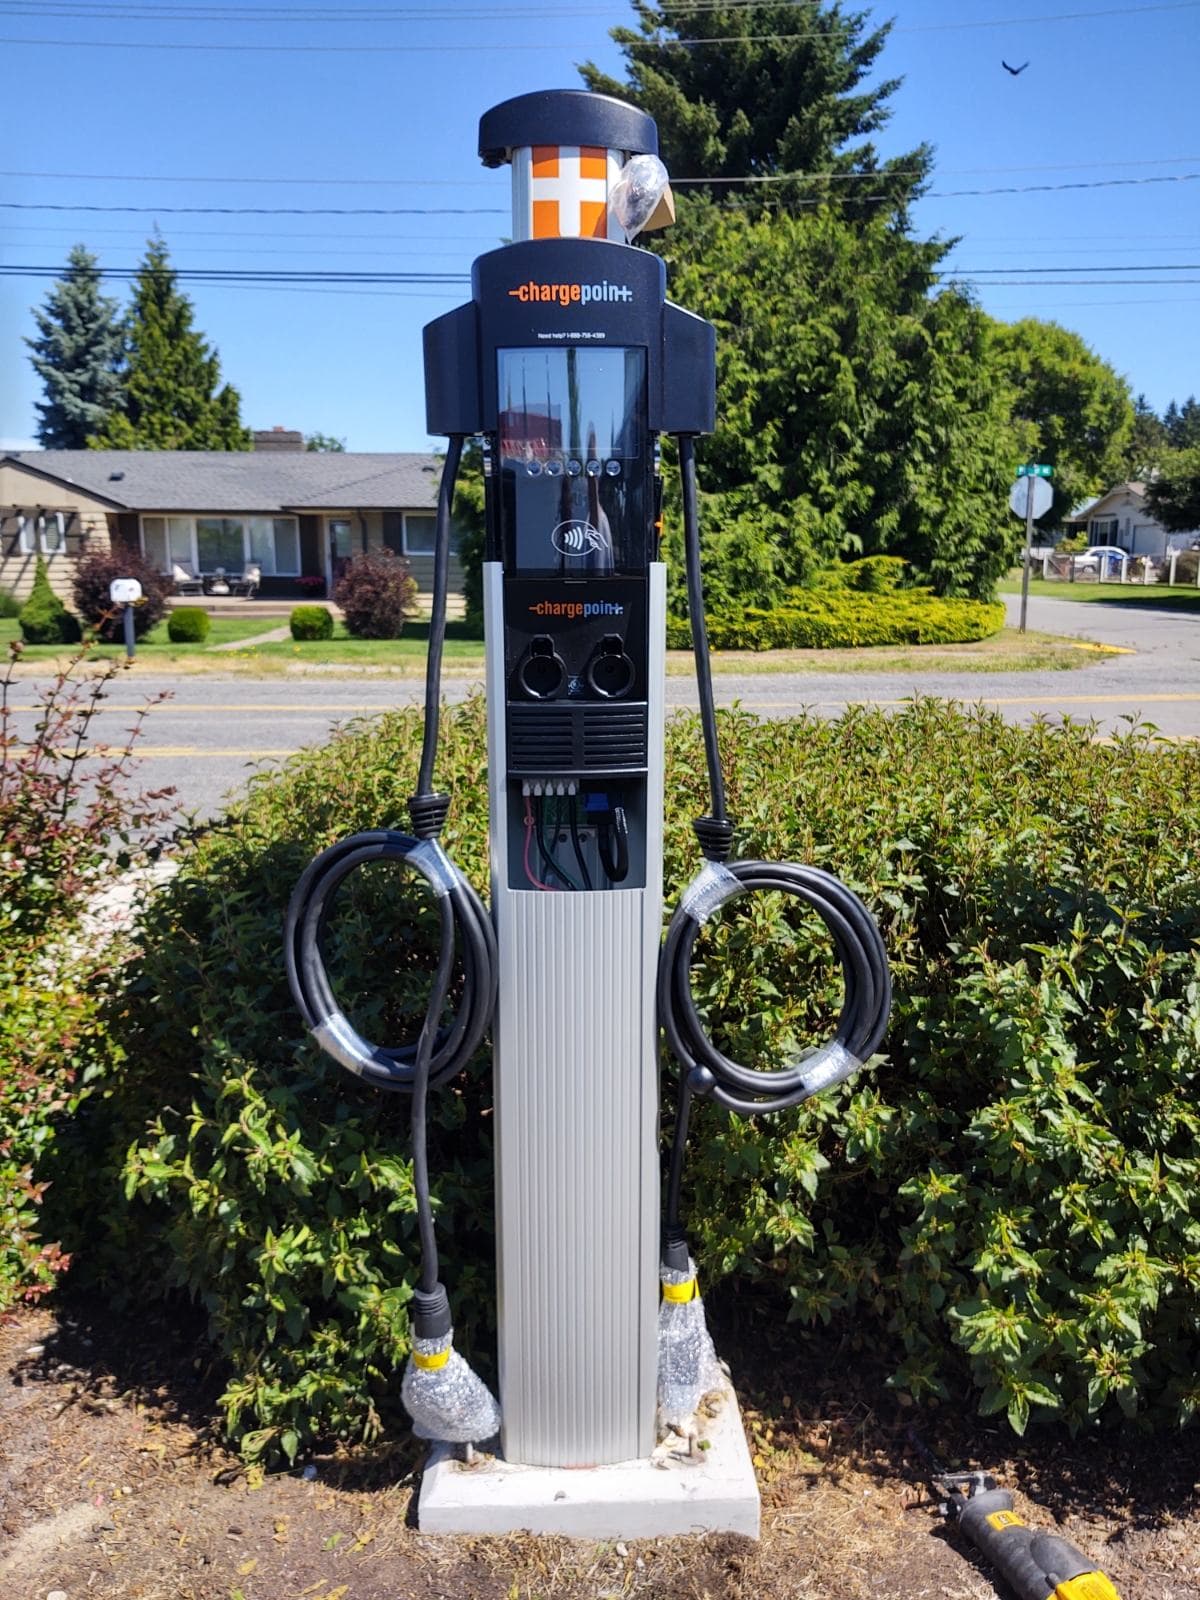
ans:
(1009, 1200)
(67, 819)
(10, 606)
(44, 619)
(311, 622)
(847, 618)
(188, 625)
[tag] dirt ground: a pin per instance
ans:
(111, 1485)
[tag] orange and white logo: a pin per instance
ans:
(566, 190)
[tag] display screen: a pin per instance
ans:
(582, 404)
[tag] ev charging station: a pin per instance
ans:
(570, 364)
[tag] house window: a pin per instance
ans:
(419, 534)
(41, 532)
(202, 544)
(1104, 530)
(167, 543)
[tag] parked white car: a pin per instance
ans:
(1101, 557)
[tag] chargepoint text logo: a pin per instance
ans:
(571, 294)
(577, 610)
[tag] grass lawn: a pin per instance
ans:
(1164, 596)
(155, 646)
(1007, 651)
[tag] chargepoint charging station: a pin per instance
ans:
(570, 364)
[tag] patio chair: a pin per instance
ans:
(185, 582)
(249, 581)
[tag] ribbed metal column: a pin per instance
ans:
(577, 1171)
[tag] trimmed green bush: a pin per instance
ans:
(10, 606)
(1009, 1201)
(311, 622)
(188, 625)
(840, 618)
(869, 574)
(43, 618)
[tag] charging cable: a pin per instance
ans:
(704, 1069)
(441, 1050)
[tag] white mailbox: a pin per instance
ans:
(124, 591)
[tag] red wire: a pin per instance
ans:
(537, 883)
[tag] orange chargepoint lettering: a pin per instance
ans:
(593, 162)
(545, 219)
(545, 161)
(593, 219)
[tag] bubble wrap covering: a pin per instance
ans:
(687, 1363)
(637, 191)
(450, 1403)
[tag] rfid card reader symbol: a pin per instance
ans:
(578, 538)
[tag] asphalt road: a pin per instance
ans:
(211, 733)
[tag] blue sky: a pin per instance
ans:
(380, 109)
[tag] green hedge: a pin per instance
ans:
(1009, 1202)
(311, 622)
(188, 625)
(44, 619)
(839, 617)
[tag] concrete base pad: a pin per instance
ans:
(711, 1491)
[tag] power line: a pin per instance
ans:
(750, 177)
(497, 211)
(267, 211)
(647, 43)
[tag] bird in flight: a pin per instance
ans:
(1016, 71)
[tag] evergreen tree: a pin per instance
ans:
(1182, 424)
(1147, 442)
(780, 91)
(858, 414)
(1174, 494)
(76, 354)
(171, 400)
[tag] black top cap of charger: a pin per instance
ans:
(564, 117)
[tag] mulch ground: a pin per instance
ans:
(112, 1484)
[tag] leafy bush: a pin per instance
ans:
(90, 588)
(829, 619)
(1010, 1201)
(188, 625)
(869, 575)
(311, 622)
(43, 618)
(377, 594)
(64, 819)
(1187, 568)
(10, 606)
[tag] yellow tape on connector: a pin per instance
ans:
(1088, 1586)
(431, 1363)
(680, 1293)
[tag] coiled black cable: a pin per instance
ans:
(467, 936)
(705, 1070)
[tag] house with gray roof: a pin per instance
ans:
(207, 516)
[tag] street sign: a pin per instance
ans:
(1030, 491)
(1033, 470)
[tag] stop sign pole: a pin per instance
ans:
(1029, 497)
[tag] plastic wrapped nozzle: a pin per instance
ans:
(446, 1400)
(687, 1363)
(633, 198)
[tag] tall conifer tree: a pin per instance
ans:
(76, 354)
(780, 90)
(171, 398)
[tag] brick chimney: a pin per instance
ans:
(278, 439)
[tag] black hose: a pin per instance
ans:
(705, 1070)
(440, 1051)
